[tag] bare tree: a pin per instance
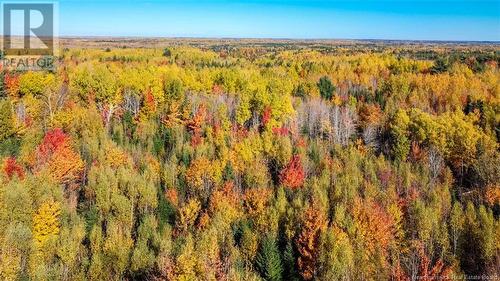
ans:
(53, 100)
(131, 102)
(371, 135)
(20, 110)
(319, 118)
(347, 126)
(435, 162)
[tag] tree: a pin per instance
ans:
(255, 201)
(6, 120)
(225, 204)
(14, 249)
(143, 255)
(461, 139)
(98, 83)
(46, 222)
(56, 154)
(326, 88)
(172, 115)
(373, 229)
(337, 255)
(427, 270)
(199, 176)
(11, 84)
(479, 226)
(186, 261)
(313, 223)
(456, 225)
(167, 52)
(188, 214)
(266, 116)
(16, 215)
(400, 142)
(292, 176)
(173, 89)
(268, 260)
(194, 125)
(35, 83)
(2, 81)
(11, 168)
(487, 168)
(440, 65)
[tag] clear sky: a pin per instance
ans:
(349, 19)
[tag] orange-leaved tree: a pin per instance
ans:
(56, 154)
(374, 230)
(308, 241)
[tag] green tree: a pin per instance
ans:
(326, 88)
(480, 227)
(456, 225)
(167, 52)
(174, 89)
(268, 260)
(441, 65)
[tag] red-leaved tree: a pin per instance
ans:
(266, 116)
(56, 154)
(292, 176)
(11, 168)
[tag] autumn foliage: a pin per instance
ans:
(374, 227)
(293, 175)
(308, 242)
(46, 222)
(51, 142)
(56, 154)
(11, 83)
(427, 269)
(194, 125)
(266, 116)
(252, 160)
(11, 168)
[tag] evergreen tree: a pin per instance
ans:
(269, 261)
(326, 88)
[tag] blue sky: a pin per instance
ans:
(356, 19)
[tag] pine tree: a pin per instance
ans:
(326, 88)
(269, 261)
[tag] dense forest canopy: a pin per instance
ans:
(254, 161)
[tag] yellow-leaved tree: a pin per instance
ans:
(46, 222)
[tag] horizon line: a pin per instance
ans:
(266, 38)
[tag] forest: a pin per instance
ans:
(276, 161)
